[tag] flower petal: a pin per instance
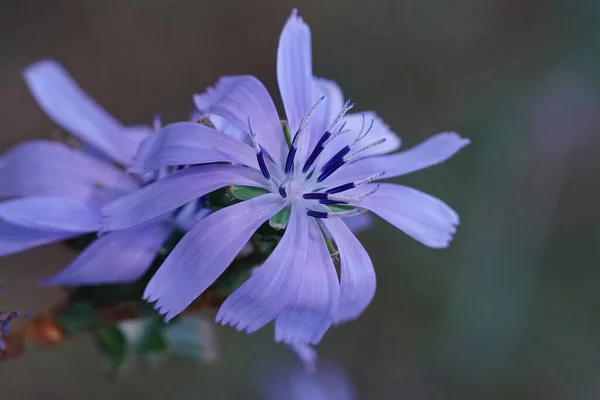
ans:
(186, 143)
(308, 316)
(329, 108)
(307, 355)
(14, 238)
(242, 97)
(432, 151)
(206, 251)
(357, 278)
(174, 191)
(294, 75)
(425, 218)
(380, 130)
(119, 257)
(51, 213)
(263, 296)
(70, 107)
(44, 167)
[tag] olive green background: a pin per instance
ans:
(509, 311)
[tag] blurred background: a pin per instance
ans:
(509, 311)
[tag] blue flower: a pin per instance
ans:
(55, 192)
(319, 176)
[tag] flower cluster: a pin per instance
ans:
(306, 175)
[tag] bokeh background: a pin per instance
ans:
(509, 311)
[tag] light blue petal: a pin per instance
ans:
(44, 167)
(186, 143)
(432, 151)
(423, 217)
(357, 278)
(119, 257)
(51, 213)
(14, 239)
(308, 316)
(272, 286)
(329, 108)
(354, 122)
(70, 107)
(206, 251)
(295, 78)
(174, 191)
(237, 98)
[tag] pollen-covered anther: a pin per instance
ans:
(371, 145)
(351, 199)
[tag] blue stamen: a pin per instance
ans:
(327, 201)
(325, 174)
(316, 152)
(341, 188)
(317, 214)
(261, 163)
(282, 192)
(336, 158)
(315, 196)
(289, 161)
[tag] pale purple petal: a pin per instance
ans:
(118, 257)
(271, 287)
(186, 143)
(51, 213)
(432, 151)
(294, 75)
(308, 316)
(307, 355)
(424, 217)
(354, 122)
(357, 277)
(237, 98)
(174, 191)
(223, 125)
(43, 167)
(70, 107)
(359, 223)
(327, 110)
(206, 251)
(14, 239)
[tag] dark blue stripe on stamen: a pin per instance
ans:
(336, 158)
(289, 161)
(263, 166)
(326, 201)
(315, 196)
(317, 214)
(282, 192)
(341, 188)
(330, 171)
(316, 152)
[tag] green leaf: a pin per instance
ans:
(112, 343)
(280, 220)
(152, 339)
(77, 318)
(246, 192)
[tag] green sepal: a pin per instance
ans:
(77, 318)
(286, 133)
(340, 207)
(330, 247)
(112, 343)
(280, 220)
(152, 339)
(246, 192)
